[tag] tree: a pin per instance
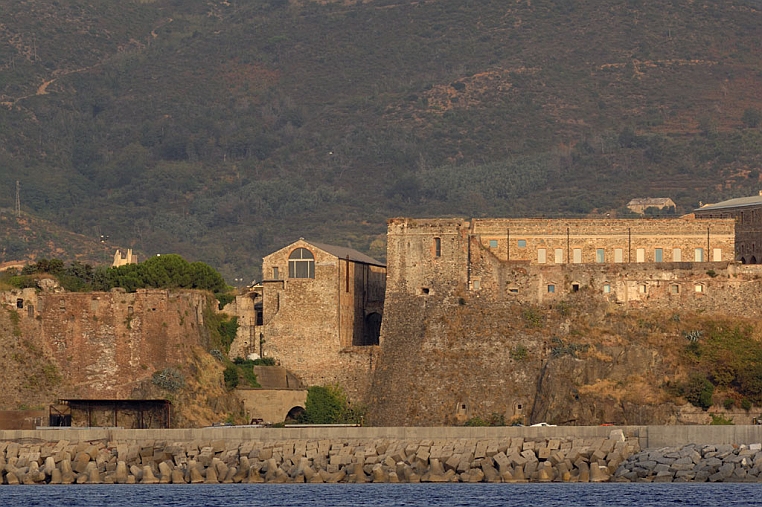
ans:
(752, 118)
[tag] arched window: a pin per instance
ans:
(301, 264)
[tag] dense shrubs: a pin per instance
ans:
(329, 405)
(165, 271)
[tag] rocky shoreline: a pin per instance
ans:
(616, 458)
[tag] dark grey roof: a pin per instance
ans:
(740, 202)
(344, 252)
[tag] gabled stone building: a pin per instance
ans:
(320, 313)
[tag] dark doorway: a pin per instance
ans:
(371, 330)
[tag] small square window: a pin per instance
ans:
(575, 287)
(674, 289)
(551, 289)
(424, 290)
(606, 288)
(522, 243)
(699, 288)
(476, 284)
(493, 243)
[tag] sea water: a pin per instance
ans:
(456, 495)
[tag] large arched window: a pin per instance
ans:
(301, 264)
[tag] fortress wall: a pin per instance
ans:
(105, 344)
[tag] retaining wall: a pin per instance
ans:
(648, 436)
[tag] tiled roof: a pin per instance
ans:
(344, 253)
(733, 203)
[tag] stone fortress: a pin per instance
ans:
(427, 337)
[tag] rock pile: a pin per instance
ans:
(315, 461)
(694, 463)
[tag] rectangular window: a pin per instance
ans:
(674, 289)
(677, 255)
(606, 288)
(658, 255)
(541, 256)
(476, 284)
(699, 288)
(698, 255)
(551, 289)
(640, 255)
(275, 273)
(577, 256)
(437, 247)
(559, 254)
(642, 288)
(493, 243)
(522, 243)
(618, 255)
(600, 255)
(717, 255)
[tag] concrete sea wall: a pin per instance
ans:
(373, 454)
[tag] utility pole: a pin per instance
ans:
(18, 200)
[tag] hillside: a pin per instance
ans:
(27, 238)
(223, 130)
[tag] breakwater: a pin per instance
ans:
(408, 454)
(315, 461)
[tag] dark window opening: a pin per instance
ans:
(513, 291)
(575, 287)
(437, 247)
(260, 318)
(19, 303)
(424, 290)
(519, 406)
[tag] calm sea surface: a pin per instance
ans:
(294, 495)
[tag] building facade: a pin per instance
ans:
(536, 260)
(318, 313)
(747, 214)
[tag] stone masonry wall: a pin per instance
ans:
(102, 345)
(312, 326)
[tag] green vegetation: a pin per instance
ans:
(162, 272)
(519, 353)
(494, 419)
(552, 108)
(720, 420)
(698, 390)
(329, 405)
(533, 318)
(727, 355)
